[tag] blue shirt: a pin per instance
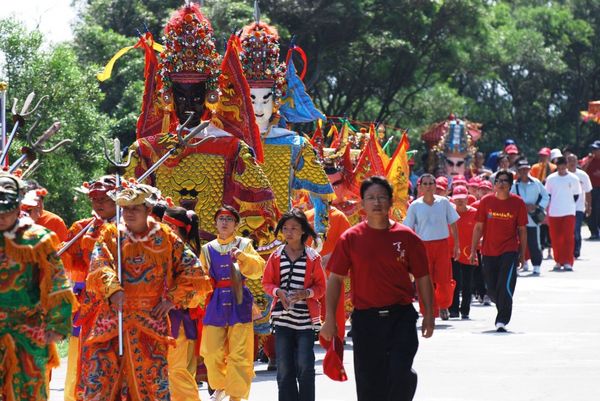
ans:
(530, 192)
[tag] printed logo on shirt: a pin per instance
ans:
(500, 215)
(402, 253)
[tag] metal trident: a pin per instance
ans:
(19, 119)
(29, 152)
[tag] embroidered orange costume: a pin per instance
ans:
(156, 267)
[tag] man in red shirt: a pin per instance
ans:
(462, 268)
(502, 219)
(381, 255)
(591, 165)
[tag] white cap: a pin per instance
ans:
(554, 153)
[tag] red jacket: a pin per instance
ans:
(314, 280)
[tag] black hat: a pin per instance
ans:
(523, 163)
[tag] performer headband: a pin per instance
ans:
(226, 213)
(178, 223)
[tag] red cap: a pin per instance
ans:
(544, 152)
(333, 363)
(511, 150)
(441, 183)
(474, 182)
(485, 184)
(460, 192)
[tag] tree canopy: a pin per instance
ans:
(522, 68)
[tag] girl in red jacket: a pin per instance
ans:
(295, 278)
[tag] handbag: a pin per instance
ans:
(539, 214)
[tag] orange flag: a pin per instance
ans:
(372, 161)
(397, 174)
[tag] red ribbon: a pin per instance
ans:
(302, 56)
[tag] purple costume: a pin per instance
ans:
(222, 310)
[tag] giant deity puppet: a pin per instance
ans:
(223, 170)
(452, 147)
(290, 162)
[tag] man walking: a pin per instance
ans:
(430, 215)
(563, 188)
(583, 207)
(535, 196)
(591, 165)
(502, 219)
(380, 255)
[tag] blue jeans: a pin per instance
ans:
(295, 364)
(578, 222)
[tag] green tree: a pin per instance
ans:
(73, 98)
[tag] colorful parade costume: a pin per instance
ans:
(228, 336)
(156, 267)
(76, 259)
(222, 170)
(35, 299)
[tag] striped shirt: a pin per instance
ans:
(292, 279)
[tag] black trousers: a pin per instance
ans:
(463, 275)
(500, 274)
(385, 344)
(478, 281)
(533, 244)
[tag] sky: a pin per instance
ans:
(53, 18)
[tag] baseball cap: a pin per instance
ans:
(544, 152)
(595, 145)
(441, 183)
(485, 184)
(523, 163)
(509, 142)
(511, 150)
(474, 182)
(333, 363)
(460, 192)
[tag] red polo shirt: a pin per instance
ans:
(501, 219)
(379, 263)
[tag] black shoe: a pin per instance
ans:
(465, 317)
(454, 314)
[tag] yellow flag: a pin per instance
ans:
(397, 174)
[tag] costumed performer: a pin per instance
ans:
(36, 300)
(76, 259)
(183, 357)
(455, 150)
(159, 274)
(227, 344)
(222, 170)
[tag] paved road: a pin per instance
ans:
(551, 352)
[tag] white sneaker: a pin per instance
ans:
(500, 327)
(536, 270)
(525, 267)
(218, 395)
(487, 301)
(568, 268)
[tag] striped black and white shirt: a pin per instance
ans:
(292, 279)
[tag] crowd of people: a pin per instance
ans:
(246, 244)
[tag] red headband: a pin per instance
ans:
(178, 223)
(226, 212)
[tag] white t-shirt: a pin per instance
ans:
(586, 186)
(431, 222)
(562, 188)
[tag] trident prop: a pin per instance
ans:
(29, 152)
(181, 142)
(120, 165)
(19, 119)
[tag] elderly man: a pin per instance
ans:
(536, 198)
